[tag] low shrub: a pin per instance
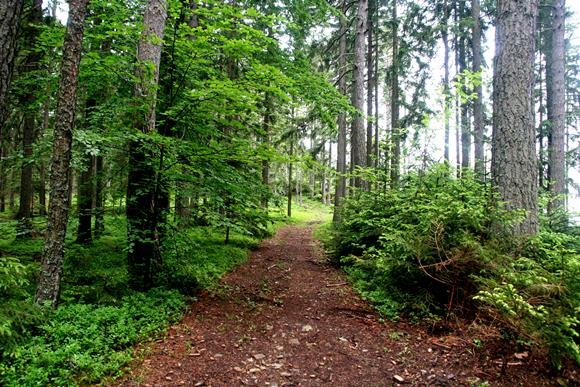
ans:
(80, 343)
(438, 244)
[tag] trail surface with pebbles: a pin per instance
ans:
(288, 318)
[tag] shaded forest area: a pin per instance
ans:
(147, 145)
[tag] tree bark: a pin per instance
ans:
(266, 127)
(31, 64)
(370, 83)
(99, 227)
(340, 192)
(478, 119)
(357, 141)
(446, 88)
(24, 214)
(556, 92)
(395, 130)
(10, 11)
(142, 212)
(514, 167)
(85, 202)
(53, 252)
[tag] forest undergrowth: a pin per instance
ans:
(438, 248)
(92, 334)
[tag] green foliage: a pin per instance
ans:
(418, 242)
(439, 244)
(17, 315)
(196, 258)
(80, 344)
(535, 292)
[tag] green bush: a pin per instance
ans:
(80, 344)
(438, 244)
(17, 314)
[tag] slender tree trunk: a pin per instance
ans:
(85, 203)
(266, 127)
(464, 105)
(556, 91)
(446, 88)
(478, 119)
(291, 153)
(99, 227)
(541, 123)
(31, 64)
(53, 252)
(340, 192)
(86, 189)
(357, 141)
(143, 257)
(376, 86)
(514, 166)
(370, 83)
(395, 129)
(10, 11)
(24, 214)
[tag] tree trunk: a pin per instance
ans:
(24, 214)
(53, 252)
(85, 202)
(266, 127)
(514, 164)
(10, 11)
(357, 141)
(291, 154)
(446, 88)
(395, 130)
(464, 105)
(478, 119)
(556, 92)
(31, 63)
(340, 192)
(370, 83)
(142, 214)
(99, 206)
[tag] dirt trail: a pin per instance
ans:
(287, 318)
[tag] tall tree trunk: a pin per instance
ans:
(395, 130)
(340, 192)
(478, 119)
(446, 88)
(357, 141)
(142, 214)
(556, 92)
(464, 105)
(10, 11)
(370, 82)
(514, 164)
(31, 64)
(376, 86)
(53, 252)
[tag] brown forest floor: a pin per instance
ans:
(288, 318)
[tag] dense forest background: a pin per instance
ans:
(146, 145)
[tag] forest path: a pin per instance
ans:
(288, 318)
